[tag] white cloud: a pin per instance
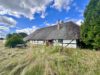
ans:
(4, 28)
(28, 8)
(79, 22)
(7, 21)
(67, 19)
(27, 30)
(3, 34)
(50, 24)
(59, 4)
(47, 24)
(78, 9)
(43, 15)
(5, 24)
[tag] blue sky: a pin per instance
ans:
(25, 16)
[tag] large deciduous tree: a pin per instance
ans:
(90, 29)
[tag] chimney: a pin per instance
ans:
(59, 25)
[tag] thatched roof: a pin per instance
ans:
(68, 31)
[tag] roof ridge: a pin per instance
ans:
(57, 24)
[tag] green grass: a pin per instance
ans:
(49, 61)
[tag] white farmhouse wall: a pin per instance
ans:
(73, 44)
(68, 41)
(37, 42)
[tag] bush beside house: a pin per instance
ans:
(13, 40)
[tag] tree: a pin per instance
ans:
(14, 40)
(9, 36)
(23, 34)
(90, 29)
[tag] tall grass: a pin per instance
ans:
(41, 60)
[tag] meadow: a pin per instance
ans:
(41, 60)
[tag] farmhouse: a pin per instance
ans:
(65, 34)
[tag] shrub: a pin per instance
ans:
(14, 40)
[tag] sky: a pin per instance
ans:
(28, 15)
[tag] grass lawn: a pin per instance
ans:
(48, 61)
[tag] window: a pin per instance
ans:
(60, 41)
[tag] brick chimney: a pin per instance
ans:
(59, 25)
